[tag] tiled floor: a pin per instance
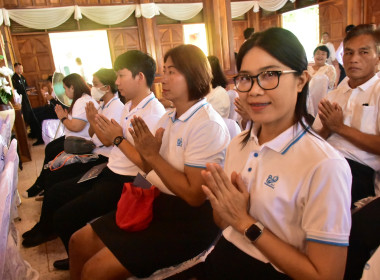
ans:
(41, 257)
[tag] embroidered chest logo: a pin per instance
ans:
(179, 142)
(271, 180)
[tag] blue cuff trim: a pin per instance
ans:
(328, 242)
(196, 166)
(80, 119)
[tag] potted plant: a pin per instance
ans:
(6, 94)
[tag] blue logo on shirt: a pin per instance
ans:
(271, 181)
(179, 142)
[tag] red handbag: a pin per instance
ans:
(135, 207)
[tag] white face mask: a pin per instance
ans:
(97, 94)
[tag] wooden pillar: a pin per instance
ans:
(148, 37)
(254, 20)
(355, 12)
(217, 18)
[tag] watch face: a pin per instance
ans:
(253, 232)
(118, 140)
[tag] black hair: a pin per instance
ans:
(136, 62)
(16, 64)
(284, 46)
(218, 77)
(79, 85)
(322, 48)
(349, 28)
(365, 29)
(107, 77)
(193, 64)
(248, 32)
(50, 78)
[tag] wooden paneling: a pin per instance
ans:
(54, 3)
(122, 40)
(170, 36)
(372, 11)
(34, 53)
(332, 19)
(238, 28)
(271, 21)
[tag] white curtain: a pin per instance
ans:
(148, 10)
(108, 15)
(240, 8)
(41, 18)
(180, 11)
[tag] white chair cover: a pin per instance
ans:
(51, 129)
(5, 132)
(12, 266)
(318, 87)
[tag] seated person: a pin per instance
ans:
(218, 97)
(103, 89)
(44, 112)
(320, 67)
(75, 204)
(349, 117)
(74, 119)
(182, 227)
(283, 200)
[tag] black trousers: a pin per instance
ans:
(51, 151)
(363, 181)
(364, 238)
(97, 197)
(227, 262)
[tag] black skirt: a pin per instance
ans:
(178, 232)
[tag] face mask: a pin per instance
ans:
(96, 93)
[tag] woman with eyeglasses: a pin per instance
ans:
(283, 199)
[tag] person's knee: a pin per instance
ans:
(76, 240)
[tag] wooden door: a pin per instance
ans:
(332, 19)
(170, 36)
(238, 28)
(372, 11)
(34, 53)
(122, 40)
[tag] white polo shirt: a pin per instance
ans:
(112, 110)
(361, 111)
(79, 113)
(300, 189)
(150, 110)
(195, 138)
(220, 101)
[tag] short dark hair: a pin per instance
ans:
(364, 29)
(136, 62)
(325, 33)
(193, 64)
(79, 85)
(50, 78)
(16, 64)
(218, 77)
(322, 48)
(248, 32)
(107, 77)
(349, 28)
(284, 46)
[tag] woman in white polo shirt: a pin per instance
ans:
(187, 138)
(283, 199)
(74, 119)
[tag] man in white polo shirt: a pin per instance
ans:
(349, 119)
(135, 75)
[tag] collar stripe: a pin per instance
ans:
(294, 140)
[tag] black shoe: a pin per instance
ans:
(32, 191)
(36, 238)
(32, 231)
(62, 264)
(38, 142)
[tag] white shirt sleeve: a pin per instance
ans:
(327, 215)
(202, 148)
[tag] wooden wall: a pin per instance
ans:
(155, 36)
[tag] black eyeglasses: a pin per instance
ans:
(266, 80)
